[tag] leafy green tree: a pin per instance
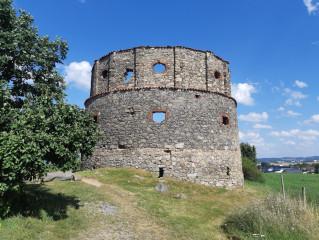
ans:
(37, 127)
(248, 151)
(265, 164)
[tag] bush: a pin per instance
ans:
(274, 218)
(251, 172)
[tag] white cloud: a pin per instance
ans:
(292, 114)
(262, 126)
(311, 7)
(300, 84)
(252, 138)
(313, 120)
(307, 135)
(254, 117)
(293, 97)
(317, 98)
(78, 74)
(82, 1)
(241, 135)
(281, 109)
(290, 142)
(242, 93)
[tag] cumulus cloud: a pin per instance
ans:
(300, 84)
(294, 97)
(78, 74)
(254, 117)
(290, 142)
(281, 109)
(292, 114)
(252, 137)
(307, 135)
(313, 120)
(262, 126)
(311, 7)
(242, 93)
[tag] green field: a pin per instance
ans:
(293, 184)
(73, 210)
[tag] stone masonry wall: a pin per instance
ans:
(191, 144)
(185, 68)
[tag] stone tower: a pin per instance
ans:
(196, 139)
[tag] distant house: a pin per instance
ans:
(292, 170)
(309, 169)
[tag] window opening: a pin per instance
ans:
(218, 75)
(121, 146)
(105, 73)
(159, 67)
(159, 116)
(228, 171)
(197, 96)
(161, 172)
(225, 120)
(95, 119)
(128, 75)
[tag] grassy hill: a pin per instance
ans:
(123, 204)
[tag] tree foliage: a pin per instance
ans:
(248, 151)
(37, 127)
(250, 171)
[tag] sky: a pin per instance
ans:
(272, 47)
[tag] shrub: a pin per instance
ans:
(274, 218)
(251, 172)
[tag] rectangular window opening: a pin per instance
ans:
(197, 96)
(121, 146)
(161, 172)
(159, 116)
(128, 75)
(95, 119)
(225, 120)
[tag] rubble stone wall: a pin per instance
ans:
(198, 139)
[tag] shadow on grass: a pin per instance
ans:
(37, 200)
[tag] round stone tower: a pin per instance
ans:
(168, 110)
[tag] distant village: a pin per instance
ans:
(308, 165)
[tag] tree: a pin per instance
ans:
(37, 127)
(248, 151)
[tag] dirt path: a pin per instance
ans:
(124, 219)
(92, 181)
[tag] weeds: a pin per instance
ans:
(274, 217)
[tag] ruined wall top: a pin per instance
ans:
(172, 67)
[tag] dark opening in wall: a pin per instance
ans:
(217, 75)
(225, 120)
(95, 118)
(159, 67)
(228, 171)
(128, 75)
(161, 172)
(105, 73)
(197, 96)
(121, 146)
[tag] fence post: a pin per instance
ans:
(304, 197)
(283, 186)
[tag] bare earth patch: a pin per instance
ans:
(92, 181)
(120, 217)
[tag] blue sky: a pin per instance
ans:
(272, 47)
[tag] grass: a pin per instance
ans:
(275, 217)
(293, 185)
(71, 210)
